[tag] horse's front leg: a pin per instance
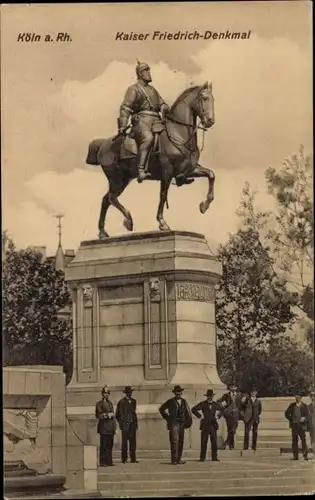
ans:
(165, 184)
(209, 174)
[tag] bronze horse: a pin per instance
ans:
(177, 156)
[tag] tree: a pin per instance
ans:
(283, 370)
(253, 306)
(33, 293)
(288, 233)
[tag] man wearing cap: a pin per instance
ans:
(252, 408)
(145, 106)
(178, 416)
(126, 415)
(230, 401)
(106, 427)
(298, 415)
(210, 412)
(311, 423)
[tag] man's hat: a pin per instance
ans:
(210, 393)
(253, 389)
(178, 388)
(141, 66)
(105, 390)
(128, 389)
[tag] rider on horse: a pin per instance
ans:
(147, 109)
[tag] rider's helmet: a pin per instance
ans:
(141, 66)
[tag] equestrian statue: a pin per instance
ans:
(154, 142)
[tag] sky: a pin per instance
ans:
(57, 97)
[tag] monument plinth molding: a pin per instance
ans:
(143, 315)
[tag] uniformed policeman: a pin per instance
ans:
(146, 108)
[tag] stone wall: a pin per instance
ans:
(38, 390)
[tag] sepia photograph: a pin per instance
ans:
(157, 249)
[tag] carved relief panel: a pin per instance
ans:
(155, 329)
(87, 331)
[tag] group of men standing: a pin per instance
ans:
(178, 415)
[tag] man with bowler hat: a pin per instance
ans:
(106, 427)
(252, 408)
(230, 402)
(298, 415)
(210, 412)
(126, 415)
(178, 416)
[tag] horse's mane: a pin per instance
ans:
(183, 95)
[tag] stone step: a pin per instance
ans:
(212, 492)
(267, 432)
(183, 481)
(209, 473)
(194, 454)
(273, 424)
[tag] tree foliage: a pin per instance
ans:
(293, 236)
(33, 294)
(288, 232)
(285, 369)
(253, 306)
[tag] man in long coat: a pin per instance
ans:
(298, 415)
(230, 401)
(126, 415)
(178, 416)
(106, 427)
(252, 408)
(208, 412)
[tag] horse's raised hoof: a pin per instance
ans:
(128, 223)
(102, 235)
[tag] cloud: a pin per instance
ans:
(262, 93)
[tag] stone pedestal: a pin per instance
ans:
(144, 316)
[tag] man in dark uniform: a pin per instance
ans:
(145, 106)
(178, 416)
(106, 427)
(126, 415)
(211, 410)
(298, 415)
(251, 408)
(230, 402)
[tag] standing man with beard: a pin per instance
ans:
(230, 402)
(210, 411)
(178, 416)
(106, 427)
(126, 414)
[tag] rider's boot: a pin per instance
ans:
(143, 168)
(142, 174)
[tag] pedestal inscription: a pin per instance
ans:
(191, 291)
